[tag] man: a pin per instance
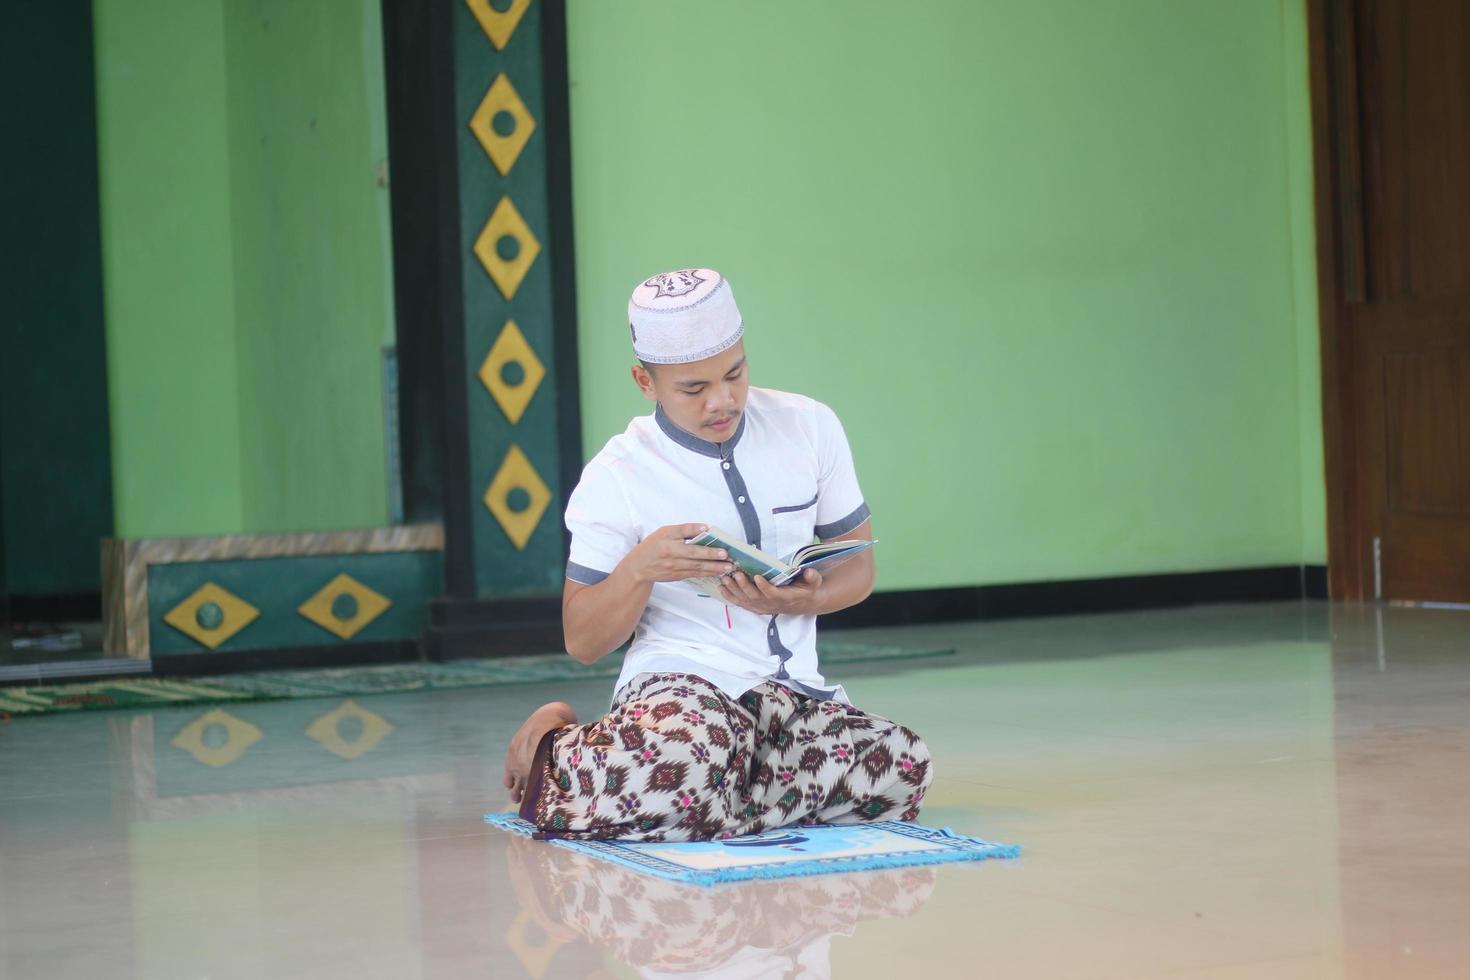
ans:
(721, 723)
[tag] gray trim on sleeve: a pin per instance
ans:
(583, 575)
(855, 519)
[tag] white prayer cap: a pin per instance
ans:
(683, 316)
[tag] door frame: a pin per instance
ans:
(1341, 281)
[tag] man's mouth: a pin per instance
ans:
(723, 423)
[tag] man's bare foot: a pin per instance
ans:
(523, 744)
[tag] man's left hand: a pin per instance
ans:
(796, 598)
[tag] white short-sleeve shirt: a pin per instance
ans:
(785, 477)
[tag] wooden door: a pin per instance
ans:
(1392, 99)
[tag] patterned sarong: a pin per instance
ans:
(677, 759)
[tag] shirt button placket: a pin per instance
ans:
(733, 481)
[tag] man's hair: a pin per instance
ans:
(646, 366)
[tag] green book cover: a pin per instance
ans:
(822, 555)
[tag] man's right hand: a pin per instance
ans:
(665, 556)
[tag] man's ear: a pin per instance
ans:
(644, 381)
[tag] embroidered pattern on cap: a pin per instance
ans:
(675, 283)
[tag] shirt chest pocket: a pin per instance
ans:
(792, 522)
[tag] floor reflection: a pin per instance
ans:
(777, 928)
(1240, 792)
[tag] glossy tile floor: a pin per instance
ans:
(1255, 791)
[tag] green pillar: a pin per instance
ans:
(487, 334)
(505, 249)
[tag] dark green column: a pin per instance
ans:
(55, 443)
(487, 331)
(506, 246)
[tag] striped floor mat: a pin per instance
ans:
(145, 692)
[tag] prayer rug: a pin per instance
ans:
(784, 853)
(536, 668)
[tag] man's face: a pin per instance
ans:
(704, 398)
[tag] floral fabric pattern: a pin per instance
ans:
(676, 759)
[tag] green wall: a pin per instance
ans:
(167, 266)
(1302, 214)
(247, 263)
(312, 260)
(1050, 261)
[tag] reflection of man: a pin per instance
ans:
(754, 929)
(721, 723)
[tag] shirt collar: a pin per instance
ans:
(717, 450)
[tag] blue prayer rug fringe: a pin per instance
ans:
(946, 846)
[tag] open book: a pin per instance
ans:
(822, 556)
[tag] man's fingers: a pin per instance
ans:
(745, 586)
(686, 531)
(697, 552)
(734, 595)
(697, 569)
(709, 567)
(677, 569)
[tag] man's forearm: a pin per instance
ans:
(848, 585)
(597, 619)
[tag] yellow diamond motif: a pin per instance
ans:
(498, 25)
(238, 736)
(327, 730)
(344, 606)
(503, 150)
(211, 615)
(507, 230)
(517, 497)
(512, 371)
